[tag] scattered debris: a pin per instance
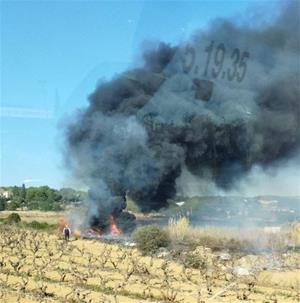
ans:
(225, 256)
(162, 252)
(241, 271)
(130, 243)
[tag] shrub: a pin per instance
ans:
(13, 218)
(194, 261)
(12, 205)
(150, 238)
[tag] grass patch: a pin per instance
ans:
(15, 219)
(44, 226)
(186, 236)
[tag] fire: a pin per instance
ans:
(114, 229)
(92, 230)
(62, 222)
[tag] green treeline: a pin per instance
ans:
(39, 198)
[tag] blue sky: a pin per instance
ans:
(54, 52)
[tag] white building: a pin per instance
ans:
(5, 193)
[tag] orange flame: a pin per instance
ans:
(114, 229)
(62, 222)
(92, 231)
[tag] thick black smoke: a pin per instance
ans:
(143, 127)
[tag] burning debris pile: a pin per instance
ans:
(98, 228)
(143, 128)
(113, 220)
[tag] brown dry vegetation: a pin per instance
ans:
(50, 217)
(38, 267)
(233, 238)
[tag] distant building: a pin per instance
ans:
(5, 193)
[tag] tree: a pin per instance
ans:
(42, 198)
(2, 203)
(18, 199)
(15, 191)
(23, 192)
(70, 195)
(13, 204)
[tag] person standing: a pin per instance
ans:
(67, 232)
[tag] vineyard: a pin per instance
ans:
(42, 267)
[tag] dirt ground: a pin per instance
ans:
(42, 267)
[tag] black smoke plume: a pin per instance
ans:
(144, 126)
